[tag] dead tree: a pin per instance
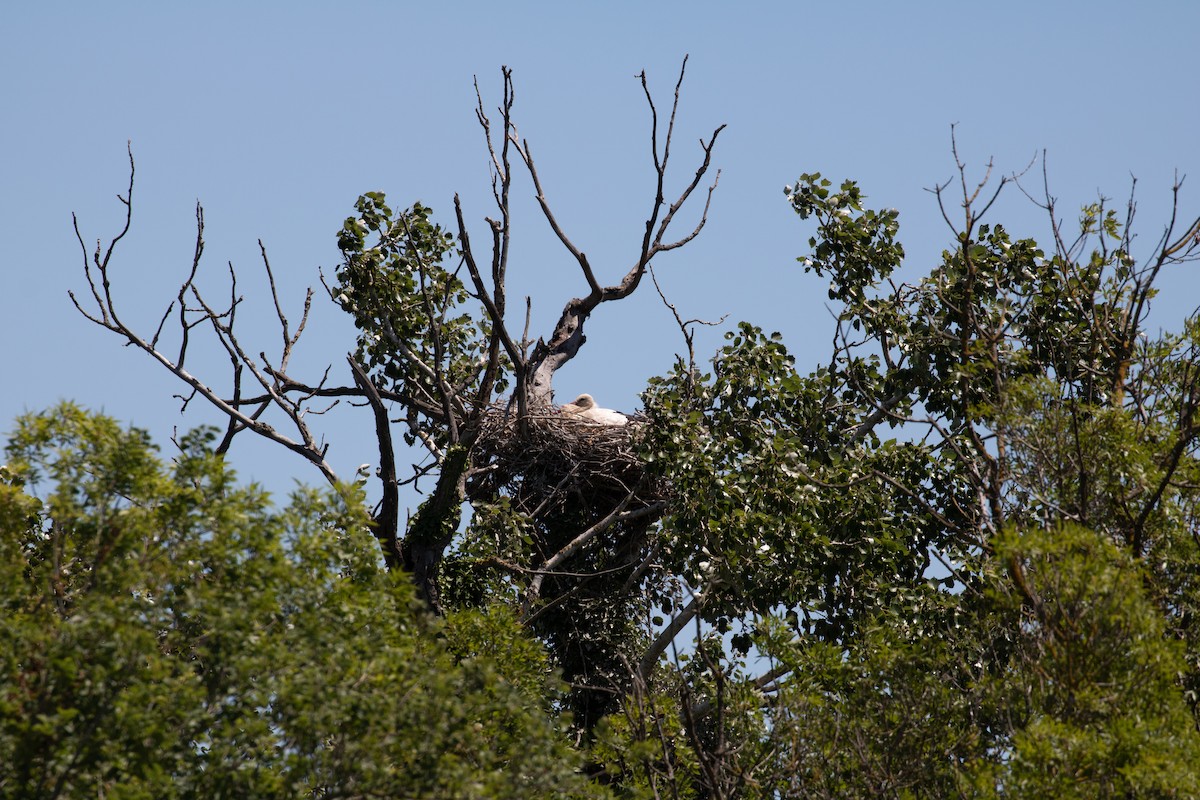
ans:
(474, 391)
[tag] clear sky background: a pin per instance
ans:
(276, 116)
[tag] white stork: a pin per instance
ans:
(585, 407)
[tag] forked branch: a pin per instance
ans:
(568, 336)
(242, 414)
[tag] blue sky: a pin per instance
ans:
(276, 116)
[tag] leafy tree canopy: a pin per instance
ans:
(955, 558)
(167, 633)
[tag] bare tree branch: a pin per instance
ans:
(387, 520)
(567, 336)
(618, 514)
(97, 270)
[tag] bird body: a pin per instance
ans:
(585, 408)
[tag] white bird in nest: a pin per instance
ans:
(585, 407)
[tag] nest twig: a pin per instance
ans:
(562, 462)
(588, 548)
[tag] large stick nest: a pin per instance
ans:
(562, 464)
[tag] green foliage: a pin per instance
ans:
(1093, 690)
(958, 558)
(777, 505)
(167, 633)
(395, 282)
(857, 248)
(894, 714)
(498, 531)
(1040, 429)
(1068, 689)
(645, 749)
